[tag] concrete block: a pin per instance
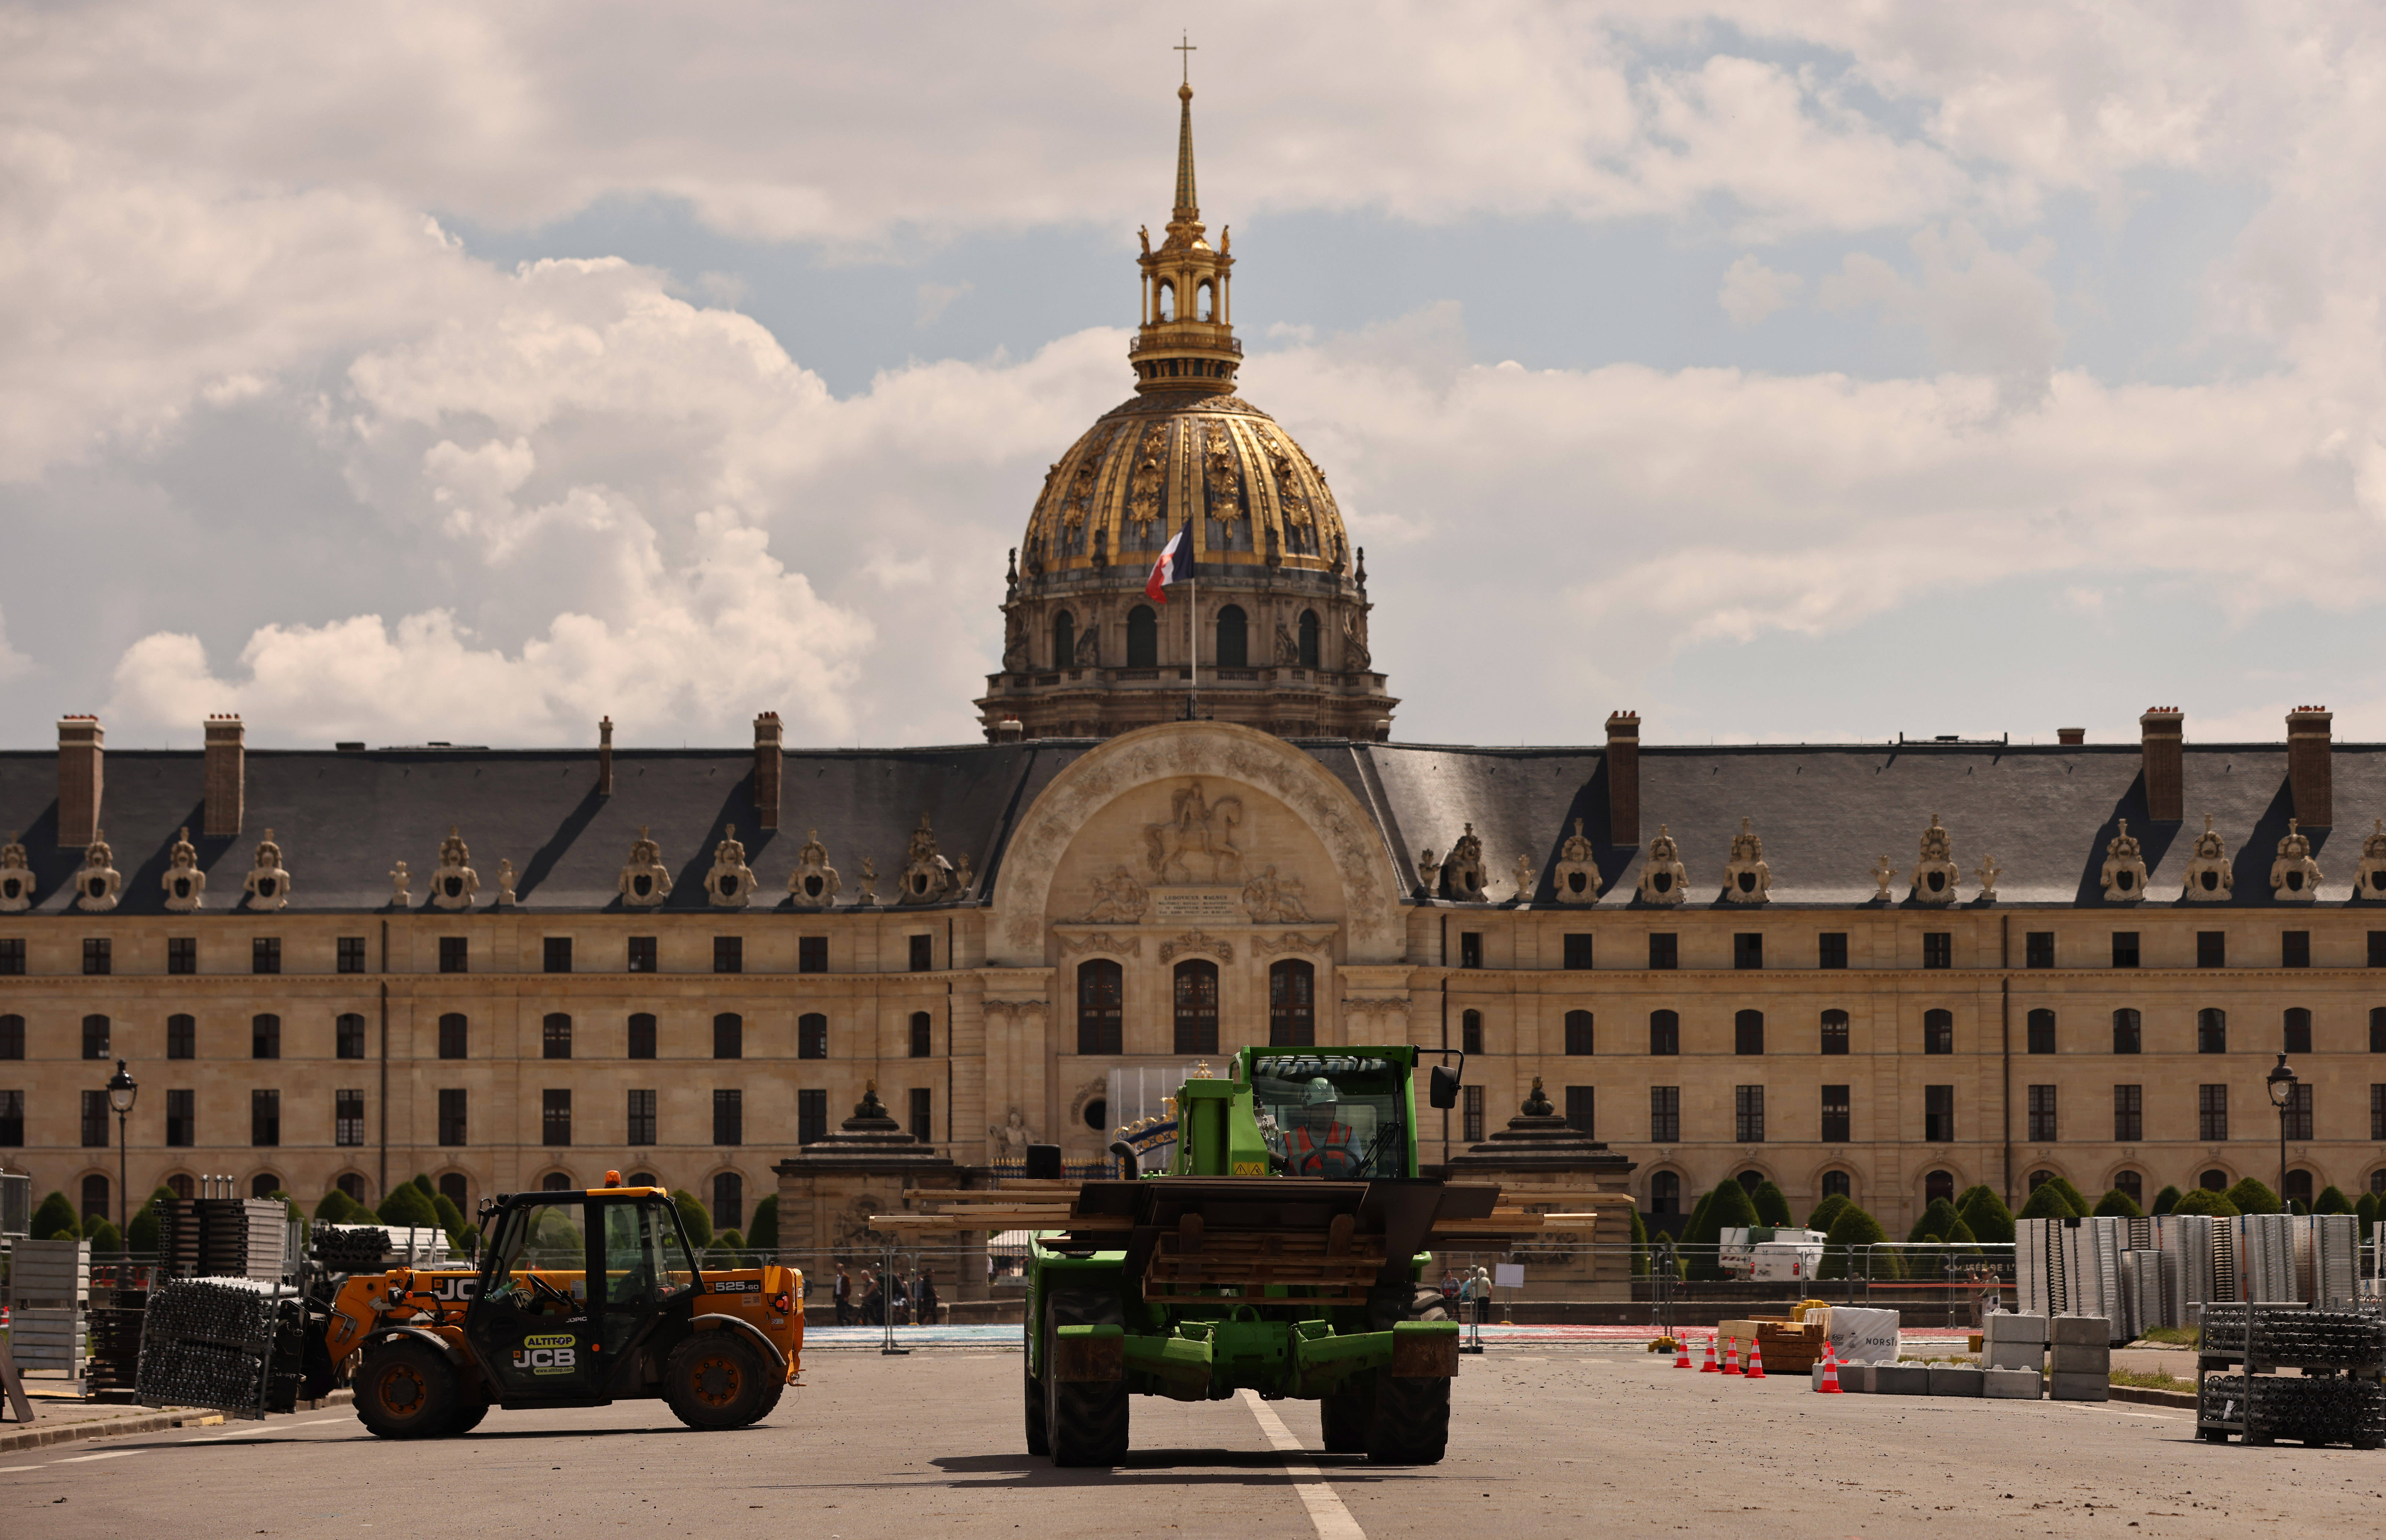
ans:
(1856, 1378)
(2073, 1357)
(2015, 1355)
(1954, 1380)
(2080, 1388)
(1901, 1379)
(2074, 1329)
(2011, 1384)
(2006, 1327)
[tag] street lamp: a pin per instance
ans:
(2281, 1083)
(121, 1093)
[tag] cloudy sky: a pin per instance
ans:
(446, 371)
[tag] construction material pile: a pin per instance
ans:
(231, 1344)
(2336, 1398)
(116, 1338)
(2160, 1271)
(349, 1247)
(2321, 1410)
(221, 1238)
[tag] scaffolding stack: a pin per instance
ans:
(2336, 1397)
(223, 1237)
(49, 1306)
(231, 1344)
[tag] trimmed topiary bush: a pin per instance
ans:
(2047, 1203)
(2072, 1195)
(2250, 1196)
(2330, 1201)
(1936, 1223)
(1985, 1214)
(407, 1204)
(2118, 1203)
(2198, 1201)
(695, 1216)
(1826, 1211)
(1855, 1227)
(1772, 1207)
(337, 1207)
(2166, 1201)
(1726, 1208)
(763, 1234)
(1639, 1243)
(105, 1239)
(2366, 1208)
(56, 1214)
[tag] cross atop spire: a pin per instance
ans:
(1186, 50)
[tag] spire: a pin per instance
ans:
(1188, 207)
(1187, 342)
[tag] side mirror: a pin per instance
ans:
(1443, 1089)
(1130, 1163)
(1044, 1162)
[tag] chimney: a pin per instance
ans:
(766, 768)
(2070, 734)
(227, 777)
(604, 757)
(2163, 731)
(1623, 777)
(81, 748)
(2307, 766)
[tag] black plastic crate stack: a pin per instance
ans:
(116, 1338)
(2336, 1398)
(230, 1344)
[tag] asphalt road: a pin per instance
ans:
(1566, 1442)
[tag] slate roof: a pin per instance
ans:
(1825, 814)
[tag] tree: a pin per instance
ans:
(338, 1207)
(1853, 1228)
(1937, 1222)
(1690, 1227)
(422, 1183)
(2047, 1203)
(2250, 1196)
(2331, 1201)
(56, 1214)
(1828, 1210)
(1725, 1209)
(105, 1239)
(729, 1240)
(1985, 1214)
(2200, 1201)
(2116, 1202)
(451, 1219)
(2072, 1195)
(695, 1216)
(2166, 1201)
(1772, 1207)
(1639, 1243)
(142, 1237)
(763, 1234)
(409, 1205)
(2366, 1209)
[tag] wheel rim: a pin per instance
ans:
(402, 1390)
(715, 1379)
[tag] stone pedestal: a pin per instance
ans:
(1545, 1167)
(829, 1188)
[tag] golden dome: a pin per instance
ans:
(1151, 465)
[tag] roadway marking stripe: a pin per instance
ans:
(1332, 1521)
(112, 1454)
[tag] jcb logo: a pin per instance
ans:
(456, 1289)
(547, 1361)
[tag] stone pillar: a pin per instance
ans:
(2308, 781)
(2163, 734)
(227, 765)
(1623, 777)
(82, 746)
(767, 765)
(604, 757)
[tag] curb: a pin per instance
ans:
(2149, 1398)
(38, 1436)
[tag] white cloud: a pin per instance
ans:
(1984, 311)
(935, 299)
(1751, 291)
(12, 663)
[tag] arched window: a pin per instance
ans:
(2211, 1031)
(12, 1037)
(1839, 1185)
(1835, 1032)
(811, 1035)
(94, 1037)
(1142, 638)
(1470, 1031)
(1749, 1180)
(729, 1201)
(924, 1033)
(2298, 1031)
(555, 1037)
(1939, 1184)
(265, 1037)
(183, 1186)
(642, 1035)
(2126, 1031)
(556, 1181)
(181, 1037)
(1209, 301)
(456, 1190)
(1064, 639)
(1197, 1006)
(351, 1187)
(1748, 1031)
(453, 1035)
(1292, 1005)
(1665, 1193)
(643, 1179)
(1309, 639)
(347, 1035)
(728, 1036)
(2133, 1184)
(1101, 1000)
(2214, 1181)
(2041, 1031)
(94, 1197)
(2040, 1178)
(1937, 1032)
(1166, 299)
(2299, 1190)
(1665, 1031)
(1578, 1031)
(1234, 639)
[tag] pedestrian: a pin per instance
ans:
(873, 1300)
(1478, 1293)
(897, 1300)
(1449, 1287)
(927, 1298)
(843, 1294)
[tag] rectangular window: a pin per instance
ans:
(181, 1036)
(1748, 950)
(1837, 1120)
(923, 1120)
(2129, 1114)
(1832, 951)
(12, 1120)
(1470, 1031)
(181, 953)
(729, 1035)
(642, 1035)
(454, 1035)
(348, 1036)
(556, 954)
(923, 954)
(1748, 1031)
(12, 955)
(2212, 1113)
(2211, 948)
(641, 1118)
(1471, 1099)
(2299, 1112)
(182, 1120)
(1470, 948)
(352, 953)
(729, 953)
(265, 1037)
(555, 1037)
(2211, 1031)
(1748, 1114)
(729, 1117)
(2377, 951)
(811, 954)
(1665, 1114)
(2377, 1112)
(811, 1116)
(94, 1120)
(1937, 950)
(455, 955)
(1665, 1031)
(1581, 1037)
(2125, 948)
(2297, 1030)
(555, 1118)
(1835, 1032)
(642, 955)
(2038, 949)
(923, 1035)
(452, 1118)
(98, 956)
(1577, 950)
(348, 1119)
(1665, 950)
(2042, 1115)
(1582, 1110)
(95, 1032)
(1938, 1114)
(12, 1035)
(264, 1119)
(1937, 1032)
(2041, 1031)
(265, 955)
(2128, 1035)
(2294, 949)
(812, 1036)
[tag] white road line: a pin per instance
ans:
(256, 1428)
(1331, 1519)
(112, 1454)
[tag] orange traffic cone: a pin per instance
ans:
(1731, 1357)
(1755, 1358)
(1681, 1350)
(1830, 1385)
(1710, 1367)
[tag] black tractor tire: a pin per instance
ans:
(408, 1389)
(471, 1408)
(1084, 1422)
(1411, 1415)
(1040, 1437)
(718, 1380)
(1346, 1414)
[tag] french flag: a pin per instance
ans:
(1176, 565)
